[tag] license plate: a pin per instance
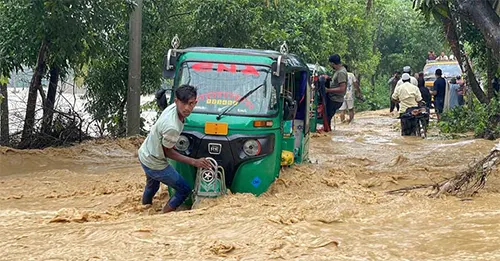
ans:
(216, 128)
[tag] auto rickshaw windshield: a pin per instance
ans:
(221, 85)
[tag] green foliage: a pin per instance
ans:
(376, 98)
(406, 37)
(482, 119)
(73, 30)
(108, 75)
(107, 92)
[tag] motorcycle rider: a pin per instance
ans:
(409, 96)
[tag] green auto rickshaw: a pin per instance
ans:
(251, 119)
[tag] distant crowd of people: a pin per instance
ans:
(406, 90)
(431, 56)
(446, 94)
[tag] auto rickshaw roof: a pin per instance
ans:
(292, 60)
(321, 69)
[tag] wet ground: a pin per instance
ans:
(83, 203)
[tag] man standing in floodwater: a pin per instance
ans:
(439, 92)
(337, 88)
(352, 90)
(158, 147)
(424, 91)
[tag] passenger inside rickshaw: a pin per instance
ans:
(296, 86)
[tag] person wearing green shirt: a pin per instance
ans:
(159, 146)
(337, 89)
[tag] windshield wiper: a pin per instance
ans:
(238, 102)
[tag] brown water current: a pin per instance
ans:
(83, 203)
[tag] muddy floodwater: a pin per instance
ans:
(83, 203)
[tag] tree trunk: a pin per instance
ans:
(134, 75)
(482, 15)
(376, 40)
(489, 74)
(35, 84)
(48, 108)
(369, 5)
(452, 37)
(4, 117)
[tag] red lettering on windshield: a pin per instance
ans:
(231, 68)
(250, 70)
(202, 67)
(222, 68)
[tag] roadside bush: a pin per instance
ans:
(482, 119)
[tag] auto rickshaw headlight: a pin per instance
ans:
(252, 147)
(182, 143)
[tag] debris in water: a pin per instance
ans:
(67, 215)
(399, 160)
(465, 183)
(221, 249)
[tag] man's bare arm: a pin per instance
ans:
(173, 154)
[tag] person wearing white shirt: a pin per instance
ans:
(351, 91)
(413, 80)
(408, 96)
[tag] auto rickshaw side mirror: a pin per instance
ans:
(161, 97)
(289, 109)
(278, 69)
(169, 62)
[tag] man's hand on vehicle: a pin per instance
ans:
(202, 163)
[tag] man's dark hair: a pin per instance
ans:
(459, 77)
(185, 92)
(420, 74)
(346, 67)
(439, 72)
(409, 80)
(335, 59)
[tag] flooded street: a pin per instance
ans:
(83, 203)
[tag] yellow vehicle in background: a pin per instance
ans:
(450, 69)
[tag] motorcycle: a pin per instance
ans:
(414, 122)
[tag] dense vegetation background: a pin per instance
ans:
(88, 40)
